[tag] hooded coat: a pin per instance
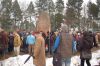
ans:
(87, 42)
(39, 52)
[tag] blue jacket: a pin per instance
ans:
(56, 44)
(30, 39)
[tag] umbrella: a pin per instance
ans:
(27, 59)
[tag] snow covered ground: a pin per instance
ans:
(19, 60)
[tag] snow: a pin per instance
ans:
(18, 61)
(75, 60)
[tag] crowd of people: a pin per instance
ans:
(61, 45)
(67, 44)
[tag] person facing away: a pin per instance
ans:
(65, 46)
(17, 43)
(30, 40)
(39, 50)
(86, 43)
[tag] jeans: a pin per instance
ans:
(66, 62)
(74, 50)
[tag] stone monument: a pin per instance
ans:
(43, 23)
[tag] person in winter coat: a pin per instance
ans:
(17, 43)
(30, 41)
(52, 39)
(11, 42)
(87, 42)
(56, 56)
(39, 50)
(4, 41)
(65, 47)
